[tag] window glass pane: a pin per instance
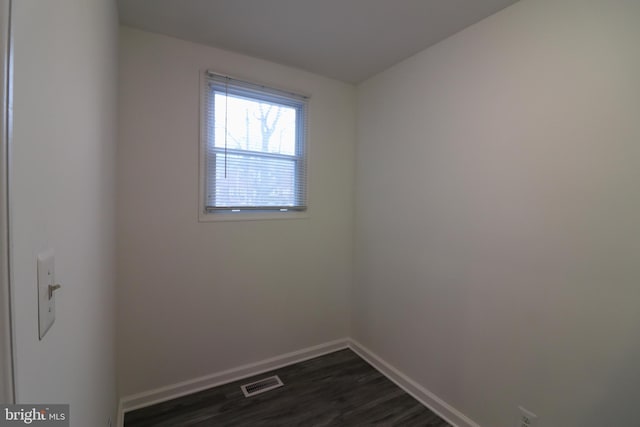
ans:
(254, 181)
(254, 125)
(254, 147)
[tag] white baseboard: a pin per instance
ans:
(162, 394)
(424, 396)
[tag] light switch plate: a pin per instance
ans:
(46, 305)
(526, 418)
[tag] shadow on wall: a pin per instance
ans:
(621, 397)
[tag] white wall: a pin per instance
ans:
(63, 198)
(497, 215)
(197, 298)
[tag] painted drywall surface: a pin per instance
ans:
(63, 183)
(497, 211)
(197, 298)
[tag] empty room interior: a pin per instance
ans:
(336, 212)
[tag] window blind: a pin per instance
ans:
(255, 147)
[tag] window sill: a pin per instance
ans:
(248, 216)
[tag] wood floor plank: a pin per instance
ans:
(338, 389)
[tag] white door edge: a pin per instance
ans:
(7, 348)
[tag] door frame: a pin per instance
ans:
(7, 345)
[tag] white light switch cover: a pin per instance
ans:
(46, 305)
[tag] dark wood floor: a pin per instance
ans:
(339, 389)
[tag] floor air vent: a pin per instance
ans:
(261, 386)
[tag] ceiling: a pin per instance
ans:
(349, 40)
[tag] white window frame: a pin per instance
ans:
(205, 215)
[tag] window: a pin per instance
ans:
(253, 148)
